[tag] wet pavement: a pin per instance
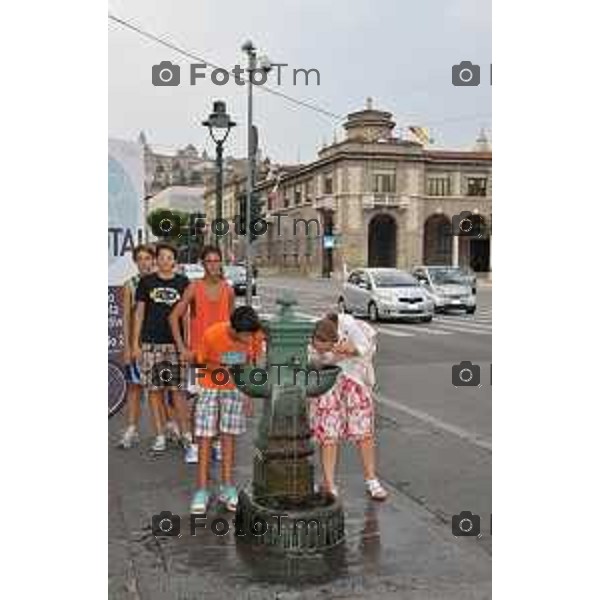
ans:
(395, 549)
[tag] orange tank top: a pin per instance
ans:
(207, 311)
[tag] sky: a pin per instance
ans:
(398, 52)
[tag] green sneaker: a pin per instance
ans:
(200, 502)
(229, 497)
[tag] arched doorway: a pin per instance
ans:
(382, 241)
(437, 240)
(479, 248)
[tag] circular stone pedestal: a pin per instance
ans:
(313, 524)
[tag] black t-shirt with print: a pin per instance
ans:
(159, 296)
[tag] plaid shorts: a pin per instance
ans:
(160, 368)
(219, 411)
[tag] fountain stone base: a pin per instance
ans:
(316, 523)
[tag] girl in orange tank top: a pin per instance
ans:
(207, 310)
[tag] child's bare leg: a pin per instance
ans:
(367, 455)
(228, 457)
(204, 444)
(134, 393)
(329, 451)
(182, 411)
(155, 399)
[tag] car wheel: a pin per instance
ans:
(471, 311)
(342, 306)
(254, 290)
(373, 312)
(427, 319)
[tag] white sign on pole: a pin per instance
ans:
(125, 207)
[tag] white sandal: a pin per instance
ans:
(325, 490)
(376, 490)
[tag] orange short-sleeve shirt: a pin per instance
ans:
(218, 347)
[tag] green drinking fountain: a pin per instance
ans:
(282, 494)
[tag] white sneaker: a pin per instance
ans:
(190, 455)
(160, 444)
(172, 432)
(130, 438)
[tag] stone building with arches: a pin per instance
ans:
(374, 199)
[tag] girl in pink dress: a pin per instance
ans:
(346, 411)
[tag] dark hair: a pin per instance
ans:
(164, 246)
(210, 250)
(332, 316)
(147, 248)
(326, 331)
(245, 320)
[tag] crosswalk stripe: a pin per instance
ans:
(458, 329)
(421, 328)
(394, 332)
(465, 323)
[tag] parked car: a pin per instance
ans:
(380, 293)
(450, 288)
(192, 271)
(236, 276)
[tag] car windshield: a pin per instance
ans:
(234, 271)
(456, 276)
(193, 271)
(393, 279)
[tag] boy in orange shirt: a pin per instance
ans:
(220, 406)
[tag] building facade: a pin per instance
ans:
(372, 200)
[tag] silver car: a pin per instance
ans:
(450, 288)
(381, 293)
(192, 271)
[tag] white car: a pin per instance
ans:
(192, 271)
(449, 288)
(381, 293)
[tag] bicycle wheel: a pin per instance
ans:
(117, 387)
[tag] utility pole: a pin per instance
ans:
(250, 50)
(265, 67)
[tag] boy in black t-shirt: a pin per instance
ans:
(154, 347)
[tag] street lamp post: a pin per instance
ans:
(219, 125)
(265, 66)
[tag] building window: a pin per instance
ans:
(297, 196)
(286, 201)
(384, 183)
(308, 191)
(328, 184)
(438, 186)
(476, 186)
